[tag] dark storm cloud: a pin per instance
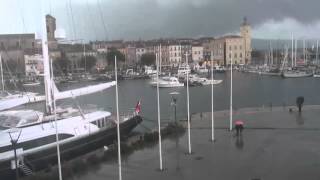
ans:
(134, 19)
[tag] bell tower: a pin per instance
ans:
(245, 32)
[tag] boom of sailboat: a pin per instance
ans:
(23, 99)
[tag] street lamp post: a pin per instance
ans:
(174, 104)
(14, 142)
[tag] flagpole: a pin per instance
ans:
(212, 115)
(291, 49)
(159, 123)
(295, 52)
(118, 119)
(188, 106)
(230, 128)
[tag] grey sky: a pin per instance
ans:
(145, 19)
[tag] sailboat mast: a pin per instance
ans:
(2, 81)
(271, 51)
(46, 69)
(304, 51)
(317, 52)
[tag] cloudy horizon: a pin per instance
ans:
(148, 19)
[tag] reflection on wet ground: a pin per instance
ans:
(275, 144)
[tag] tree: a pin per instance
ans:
(148, 59)
(62, 63)
(112, 53)
(88, 62)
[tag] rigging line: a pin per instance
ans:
(72, 20)
(24, 28)
(91, 20)
(68, 18)
(7, 66)
(50, 7)
(102, 19)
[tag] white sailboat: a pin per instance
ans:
(78, 132)
(9, 100)
(297, 74)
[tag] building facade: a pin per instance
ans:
(33, 65)
(130, 55)
(245, 33)
(234, 50)
(175, 54)
(140, 50)
(197, 53)
(218, 51)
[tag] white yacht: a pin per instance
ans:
(35, 133)
(167, 82)
(206, 81)
(316, 74)
(196, 80)
(201, 69)
(183, 70)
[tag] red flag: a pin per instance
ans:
(138, 107)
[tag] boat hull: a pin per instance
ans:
(168, 85)
(214, 82)
(269, 74)
(32, 84)
(47, 157)
(292, 75)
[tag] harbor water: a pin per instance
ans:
(249, 90)
(267, 138)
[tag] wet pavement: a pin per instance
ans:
(276, 144)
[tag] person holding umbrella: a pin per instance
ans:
(239, 125)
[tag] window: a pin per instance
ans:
(230, 55)
(230, 48)
(235, 47)
(235, 55)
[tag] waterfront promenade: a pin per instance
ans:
(276, 144)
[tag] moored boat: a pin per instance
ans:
(167, 82)
(296, 74)
(36, 147)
